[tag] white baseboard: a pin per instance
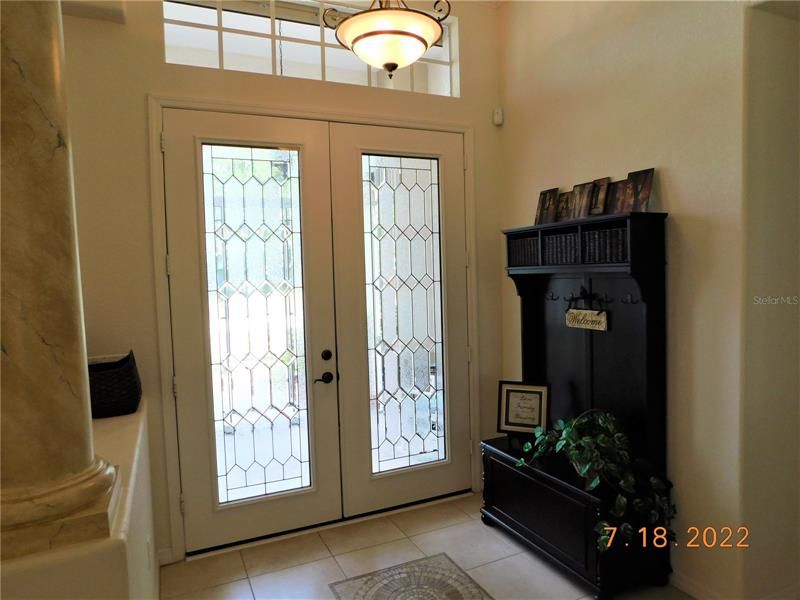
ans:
(694, 589)
(702, 592)
(793, 591)
(167, 556)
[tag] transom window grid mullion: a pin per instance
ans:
(275, 38)
(287, 38)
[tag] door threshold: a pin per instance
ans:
(256, 541)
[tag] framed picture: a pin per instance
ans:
(564, 207)
(548, 202)
(522, 407)
(599, 193)
(620, 197)
(641, 186)
(581, 198)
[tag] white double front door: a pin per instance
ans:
(318, 306)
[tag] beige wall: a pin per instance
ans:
(600, 89)
(110, 70)
(770, 413)
(589, 90)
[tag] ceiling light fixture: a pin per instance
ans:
(388, 35)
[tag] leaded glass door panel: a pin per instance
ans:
(400, 258)
(249, 235)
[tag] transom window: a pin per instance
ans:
(288, 38)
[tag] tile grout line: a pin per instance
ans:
(244, 564)
(300, 564)
(417, 546)
(246, 572)
(333, 555)
(371, 545)
(385, 515)
(305, 564)
(425, 554)
(324, 543)
(197, 591)
(583, 596)
(462, 510)
(493, 561)
(469, 519)
(405, 535)
(252, 590)
(338, 564)
(403, 539)
(214, 585)
(341, 567)
(497, 534)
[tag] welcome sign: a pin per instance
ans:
(587, 319)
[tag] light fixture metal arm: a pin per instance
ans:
(389, 34)
(442, 9)
(332, 17)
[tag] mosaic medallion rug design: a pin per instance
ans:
(431, 578)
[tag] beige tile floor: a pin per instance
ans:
(303, 566)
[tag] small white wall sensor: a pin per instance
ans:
(497, 116)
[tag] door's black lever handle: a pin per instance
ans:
(327, 377)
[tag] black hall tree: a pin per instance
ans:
(614, 263)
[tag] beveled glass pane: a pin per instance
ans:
(255, 302)
(404, 325)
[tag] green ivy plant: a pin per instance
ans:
(633, 496)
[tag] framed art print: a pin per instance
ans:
(599, 194)
(564, 207)
(581, 198)
(522, 407)
(548, 203)
(641, 186)
(619, 199)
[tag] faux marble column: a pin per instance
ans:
(54, 490)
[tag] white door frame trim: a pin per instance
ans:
(156, 103)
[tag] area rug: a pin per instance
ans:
(431, 578)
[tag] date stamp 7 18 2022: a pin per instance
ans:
(708, 537)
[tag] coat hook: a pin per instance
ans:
(551, 296)
(571, 300)
(629, 299)
(603, 303)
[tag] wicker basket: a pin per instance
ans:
(115, 387)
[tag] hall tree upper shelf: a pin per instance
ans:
(591, 244)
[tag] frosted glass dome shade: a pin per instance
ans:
(389, 38)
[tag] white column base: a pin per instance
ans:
(80, 510)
